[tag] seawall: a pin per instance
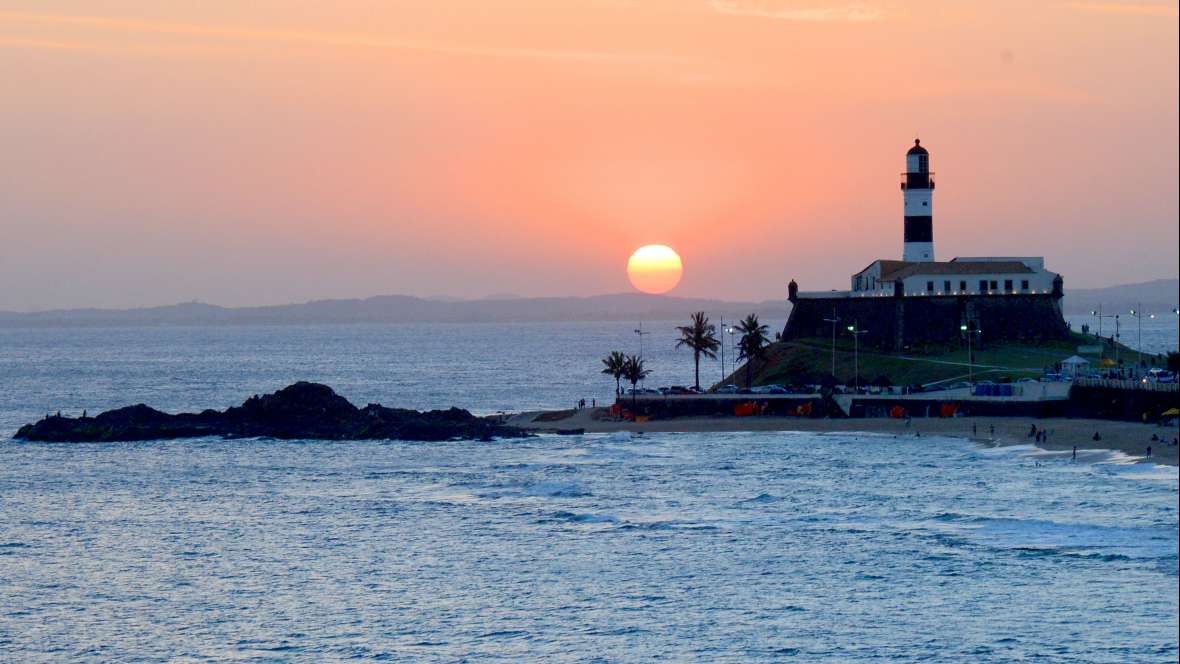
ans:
(899, 322)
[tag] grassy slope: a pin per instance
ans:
(806, 360)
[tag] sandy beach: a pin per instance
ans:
(1130, 438)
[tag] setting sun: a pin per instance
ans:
(655, 269)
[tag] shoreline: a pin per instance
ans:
(1129, 438)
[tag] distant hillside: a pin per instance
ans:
(1157, 296)
(407, 309)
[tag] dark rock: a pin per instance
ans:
(299, 411)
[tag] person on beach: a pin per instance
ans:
(974, 429)
(1032, 432)
(1097, 436)
(1075, 452)
(993, 429)
(1149, 451)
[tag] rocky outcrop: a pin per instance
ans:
(299, 411)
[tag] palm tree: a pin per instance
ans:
(701, 337)
(753, 343)
(633, 372)
(614, 368)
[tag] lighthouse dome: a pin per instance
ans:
(917, 149)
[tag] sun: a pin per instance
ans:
(655, 269)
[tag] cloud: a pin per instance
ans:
(346, 40)
(1138, 9)
(41, 44)
(854, 13)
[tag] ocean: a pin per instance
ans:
(737, 547)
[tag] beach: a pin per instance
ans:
(1130, 438)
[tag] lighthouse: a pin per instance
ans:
(917, 189)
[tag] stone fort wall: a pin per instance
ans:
(895, 323)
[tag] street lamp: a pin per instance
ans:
(733, 349)
(1138, 313)
(966, 329)
(855, 331)
(833, 320)
(639, 331)
(1100, 315)
(722, 352)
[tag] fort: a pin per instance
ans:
(899, 304)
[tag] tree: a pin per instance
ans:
(752, 345)
(633, 372)
(701, 336)
(614, 368)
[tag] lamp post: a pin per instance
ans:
(833, 320)
(1098, 313)
(966, 329)
(855, 330)
(722, 319)
(640, 333)
(1116, 343)
(732, 349)
(1138, 313)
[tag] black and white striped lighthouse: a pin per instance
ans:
(917, 188)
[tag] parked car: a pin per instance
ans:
(728, 389)
(1160, 376)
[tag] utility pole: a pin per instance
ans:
(639, 331)
(833, 320)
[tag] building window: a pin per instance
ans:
(946, 286)
(1024, 284)
(982, 286)
(963, 286)
(929, 286)
(1007, 285)
(994, 286)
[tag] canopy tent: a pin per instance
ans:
(1074, 365)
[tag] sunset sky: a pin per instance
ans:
(282, 150)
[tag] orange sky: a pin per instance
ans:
(282, 150)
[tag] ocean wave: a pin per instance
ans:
(557, 490)
(574, 517)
